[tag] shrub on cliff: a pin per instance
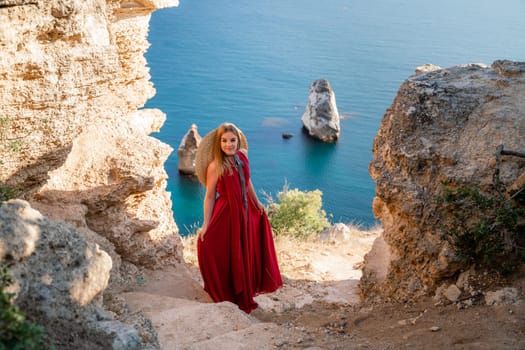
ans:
(298, 214)
(16, 333)
(6, 193)
(485, 228)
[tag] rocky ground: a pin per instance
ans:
(319, 308)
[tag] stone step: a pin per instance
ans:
(187, 324)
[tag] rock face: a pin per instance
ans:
(120, 201)
(321, 118)
(81, 268)
(60, 278)
(443, 126)
(187, 150)
(427, 68)
(74, 143)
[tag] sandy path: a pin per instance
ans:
(318, 308)
(184, 317)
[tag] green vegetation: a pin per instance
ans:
(5, 123)
(15, 146)
(16, 333)
(485, 227)
(8, 145)
(8, 142)
(6, 193)
(298, 214)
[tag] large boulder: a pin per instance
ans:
(444, 125)
(59, 280)
(53, 258)
(187, 150)
(321, 118)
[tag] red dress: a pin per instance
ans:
(237, 257)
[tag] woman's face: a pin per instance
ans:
(229, 143)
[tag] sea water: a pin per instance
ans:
(252, 63)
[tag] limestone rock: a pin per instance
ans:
(321, 118)
(128, 337)
(72, 79)
(187, 149)
(123, 201)
(467, 281)
(338, 232)
(75, 143)
(59, 277)
(5, 3)
(53, 258)
(427, 68)
(443, 126)
(187, 324)
(75, 215)
(59, 280)
(505, 296)
(452, 293)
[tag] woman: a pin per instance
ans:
(235, 248)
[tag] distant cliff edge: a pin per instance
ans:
(445, 126)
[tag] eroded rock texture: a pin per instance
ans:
(444, 126)
(321, 118)
(73, 137)
(187, 151)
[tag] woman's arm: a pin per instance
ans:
(209, 197)
(252, 194)
(251, 190)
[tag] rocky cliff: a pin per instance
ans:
(444, 126)
(75, 143)
(321, 118)
(74, 137)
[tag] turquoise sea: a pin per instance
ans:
(252, 63)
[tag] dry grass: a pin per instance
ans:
(190, 249)
(298, 258)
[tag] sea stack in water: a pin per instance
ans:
(321, 118)
(187, 149)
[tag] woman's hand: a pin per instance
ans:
(201, 233)
(251, 192)
(261, 207)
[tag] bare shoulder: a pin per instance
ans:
(212, 168)
(211, 175)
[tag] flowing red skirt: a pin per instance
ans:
(237, 257)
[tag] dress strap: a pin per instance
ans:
(240, 165)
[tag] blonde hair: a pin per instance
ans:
(222, 164)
